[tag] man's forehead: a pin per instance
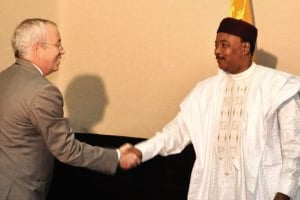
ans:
(52, 32)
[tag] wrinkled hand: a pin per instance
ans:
(130, 156)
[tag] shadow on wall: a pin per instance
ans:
(85, 99)
(265, 58)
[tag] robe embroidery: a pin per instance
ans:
(226, 163)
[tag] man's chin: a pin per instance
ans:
(222, 66)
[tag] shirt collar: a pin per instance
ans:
(242, 75)
(38, 69)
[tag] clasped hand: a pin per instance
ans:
(130, 156)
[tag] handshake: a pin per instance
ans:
(130, 156)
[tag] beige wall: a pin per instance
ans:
(129, 63)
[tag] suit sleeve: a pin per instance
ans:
(48, 117)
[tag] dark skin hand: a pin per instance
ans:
(280, 196)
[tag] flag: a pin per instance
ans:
(241, 9)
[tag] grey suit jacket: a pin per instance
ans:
(33, 131)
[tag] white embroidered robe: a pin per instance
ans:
(264, 159)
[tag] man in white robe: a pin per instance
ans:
(244, 124)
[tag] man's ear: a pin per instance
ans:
(246, 48)
(36, 48)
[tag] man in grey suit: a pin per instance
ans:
(33, 130)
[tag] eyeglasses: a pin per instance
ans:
(57, 45)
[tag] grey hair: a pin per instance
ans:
(27, 33)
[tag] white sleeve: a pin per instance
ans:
(171, 140)
(289, 123)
